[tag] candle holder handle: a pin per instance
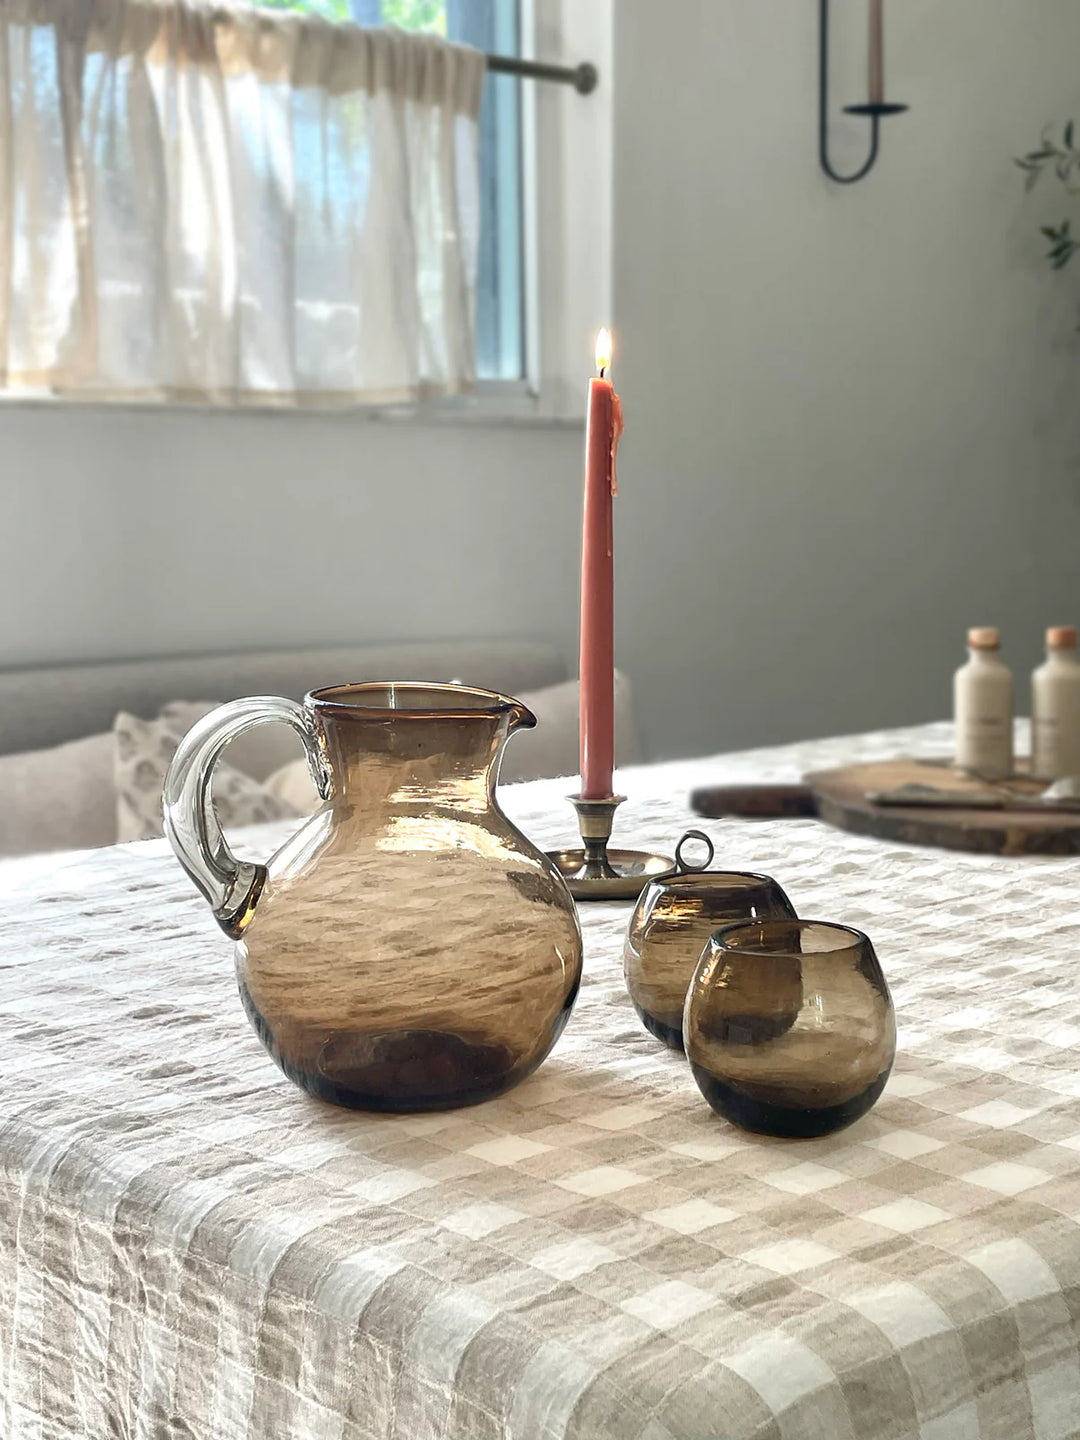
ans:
(874, 110)
(597, 872)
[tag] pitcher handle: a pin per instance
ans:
(231, 886)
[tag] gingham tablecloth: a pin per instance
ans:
(190, 1247)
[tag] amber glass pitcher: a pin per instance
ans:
(408, 948)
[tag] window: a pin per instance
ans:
(493, 26)
(155, 263)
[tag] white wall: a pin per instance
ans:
(127, 533)
(853, 415)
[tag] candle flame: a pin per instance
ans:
(603, 350)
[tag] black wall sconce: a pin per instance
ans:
(876, 107)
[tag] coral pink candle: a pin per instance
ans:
(597, 583)
(876, 87)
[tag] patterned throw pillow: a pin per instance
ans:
(142, 753)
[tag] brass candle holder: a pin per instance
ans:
(597, 872)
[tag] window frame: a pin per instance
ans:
(567, 178)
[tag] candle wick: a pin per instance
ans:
(602, 369)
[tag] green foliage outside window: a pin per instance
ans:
(328, 9)
(409, 14)
(416, 14)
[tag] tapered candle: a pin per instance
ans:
(877, 53)
(597, 666)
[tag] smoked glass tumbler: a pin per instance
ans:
(789, 1026)
(670, 927)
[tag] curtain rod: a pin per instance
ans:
(583, 77)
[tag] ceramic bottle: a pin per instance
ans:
(1055, 707)
(983, 708)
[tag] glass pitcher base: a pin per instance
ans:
(399, 1072)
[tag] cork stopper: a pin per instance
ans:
(1061, 637)
(984, 637)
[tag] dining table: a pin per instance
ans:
(191, 1248)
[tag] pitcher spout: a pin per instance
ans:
(521, 717)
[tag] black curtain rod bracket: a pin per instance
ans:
(582, 77)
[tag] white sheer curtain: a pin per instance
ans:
(214, 203)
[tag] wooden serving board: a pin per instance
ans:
(842, 798)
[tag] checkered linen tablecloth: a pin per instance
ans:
(190, 1247)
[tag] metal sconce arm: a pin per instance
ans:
(874, 110)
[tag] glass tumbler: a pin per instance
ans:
(671, 925)
(789, 1026)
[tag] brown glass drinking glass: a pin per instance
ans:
(789, 1026)
(408, 948)
(671, 925)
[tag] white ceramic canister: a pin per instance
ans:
(983, 708)
(1055, 707)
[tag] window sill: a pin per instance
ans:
(494, 403)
